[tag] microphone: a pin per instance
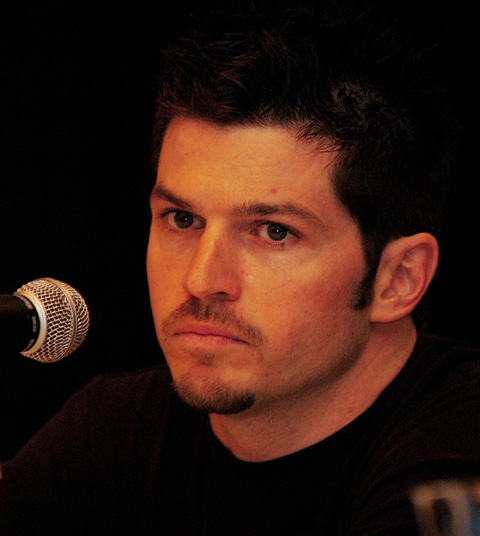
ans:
(45, 320)
(447, 507)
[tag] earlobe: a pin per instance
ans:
(406, 269)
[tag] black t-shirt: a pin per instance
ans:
(126, 456)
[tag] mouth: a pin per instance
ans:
(206, 334)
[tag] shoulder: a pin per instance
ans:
(451, 355)
(435, 397)
(438, 371)
(424, 427)
(152, 382)
(121, 400)
(111, 410)
(441, 374)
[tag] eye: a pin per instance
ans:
(181, 219)
(274, 232)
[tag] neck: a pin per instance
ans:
(286, 426)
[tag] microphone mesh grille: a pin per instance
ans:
(67, 318)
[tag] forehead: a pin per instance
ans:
(267, 147)
(245, 163)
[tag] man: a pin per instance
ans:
(300, 171)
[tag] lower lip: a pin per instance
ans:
(211, 340)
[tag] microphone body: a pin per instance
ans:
(45, 320)
(18, 323)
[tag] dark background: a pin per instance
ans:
(78, 90)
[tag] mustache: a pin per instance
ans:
(217, 312)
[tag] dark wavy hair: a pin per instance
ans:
(352, 80)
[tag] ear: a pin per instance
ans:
(406, 269)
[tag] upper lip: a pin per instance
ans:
(205, 329)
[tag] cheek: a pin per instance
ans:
(162, 261)
(164, 280)
(279, 308)
(307, 302)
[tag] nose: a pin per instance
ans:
(213, 272)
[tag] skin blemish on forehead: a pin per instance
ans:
(274, 190)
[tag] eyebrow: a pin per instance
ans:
(268, 209)
(159, 192)
(251, 208)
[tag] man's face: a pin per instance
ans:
(253, 266)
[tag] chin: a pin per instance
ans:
(213, 395)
